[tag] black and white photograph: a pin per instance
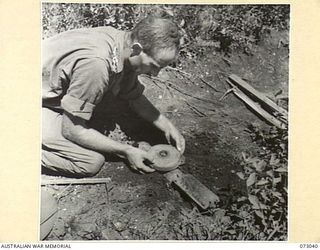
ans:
(165, 122)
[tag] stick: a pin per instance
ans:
(183, 74)
(140, 79)
(172, 85)
(225, 94)
(189, 77)
(255, 106)
(168, 88)
(273, 232)
(179, 70)
(209, 85)
(197, 111)
(82, 181)
(227, 61)
(244, 85)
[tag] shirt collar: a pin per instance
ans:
(116, 59)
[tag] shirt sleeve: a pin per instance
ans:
(133, 91)
(88, 82)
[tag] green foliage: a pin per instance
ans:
(57, 18)
(266, 177)
(219, 27)
(259, 214)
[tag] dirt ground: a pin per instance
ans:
(139, 207)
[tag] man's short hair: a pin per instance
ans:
(155, 33)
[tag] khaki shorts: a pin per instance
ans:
(62, 156)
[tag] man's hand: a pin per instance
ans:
(137, 159)
(74, 129)
(146, 110)
(171, 132)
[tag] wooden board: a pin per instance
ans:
(257, 108)
(260, 96)
(71, 181)
(191, 186)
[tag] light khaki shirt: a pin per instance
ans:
(80, 66)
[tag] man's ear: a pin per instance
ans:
(136, 49)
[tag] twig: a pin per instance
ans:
(272, 233)
(145, 76)
(168, 88)
(109, 206)
(209, 85)
(59, 195)
(163, 94)
(245, 235)
(227, 61)
(225, 94)
(185, 75)
(197, 111)
(172, 85)
(156, 227)
(179, 70)
(156, 84)
(177, 112)
(221, 80)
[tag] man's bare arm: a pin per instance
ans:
(75, 130)
(143, 107)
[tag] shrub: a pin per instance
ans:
(221, 27)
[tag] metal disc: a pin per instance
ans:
(166, 157)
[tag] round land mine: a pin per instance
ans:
(166, 157)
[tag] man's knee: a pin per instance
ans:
(94, 164)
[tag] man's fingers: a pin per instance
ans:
(182, 145)
(145, 168)
(180, 142)
(141, 168)
(149, 158)
(141, 172)
(168, 137)
(133, 167)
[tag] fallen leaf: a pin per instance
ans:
(259, 213)
(277, 194)
(240, 175)
(231, 231)
(254, 201)
(243, 198)
(263, 206)
(262, 182)
(281, 169)
(277, 180)
(273, 160)
(251, 179)
(264, 195)
(219, 214)
(260, 165)
(270, 173)
(244, 156)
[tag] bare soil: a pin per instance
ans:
(137, 207)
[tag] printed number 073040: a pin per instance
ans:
(308, 245)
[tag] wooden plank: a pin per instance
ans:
(72, 181)
(260, 96)
(192, 187)
(255, 106)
